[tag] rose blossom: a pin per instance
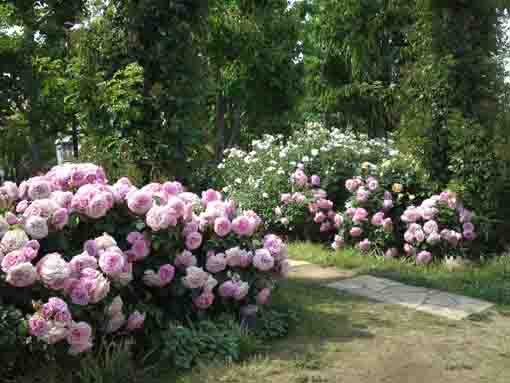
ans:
(222, 226)
(111, 262)
(185, 259)
(135, 321)
(204, 300)
(243, 226)
(140, 202)
(364, 245)
(195, 277)
(36, 227)
(387, 225)
(38, 326)
(433, 238)
(242, 289)
(227, 289)
(362, 195)
(339, 220)
(105, 241)
(80, 294)
(79, 337)
(356, 231)
(430, 227)
(11, 219)
(319, 217)
(263, 260)
(60, 218)
(216, 263)
(263, 296)
(22, 275)
(315, 180)
(424, 257)
(53, 270)
(12, 259)
(391, 253)
(193, 241)
(140, 249)
(377, 219)
(166, 274)
(82, 261)
(372, 184)
(387, 204)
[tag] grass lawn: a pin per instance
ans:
(341, 338)
(490, 281)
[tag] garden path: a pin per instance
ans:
(435, 302)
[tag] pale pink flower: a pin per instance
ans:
(12, 259)
(430, 227)
(112, 261)
(365, 245)
(82, 261)
(36, 227)
(356, 231)
(140, 202)
(216, 263)
(193, 241)
(319, 217)
(38, 188)
(424, 257)
(60, 218)
(173, 188)
(204, 300)
(387, 204)
(53, 270)
(13, 240)
(210, 195)
(243, 226)
(227, 289)
(241, 291)
(21, 206)
(263, 260)
(391, 253)
(90, 247)
(105, 241)
(185, 259)
(339, 220)
(315, 180)
(11, 218)
(378, 219)
(115, 323)
(433, 238)
(80, 294)
(22, 275)
(222, 226)
(135, 321)
(140, 249)
(195, 277)
(38, 326)
(263, 296)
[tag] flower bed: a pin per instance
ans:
(82, 257)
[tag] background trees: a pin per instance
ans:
(161, 88)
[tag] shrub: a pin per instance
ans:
(98, 258)
(387, 221)
(257, 178)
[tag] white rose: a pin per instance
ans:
(195, 277)
(105, 241)
(36, 227)
(115, 307)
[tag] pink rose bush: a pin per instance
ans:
(306, 205)
(375, 220)
(97, 253)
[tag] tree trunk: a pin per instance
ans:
(235, 124)
(220, 125)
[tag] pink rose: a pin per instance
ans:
(227, 289)
(12, 259)
(193, 240)
(378, 219)
(22, 275)
(38, 326)
(391, 253)
(140, 202)
(362, 195)
(204, 300)
(21, 206)
(243, 226)
(315, 180)
(387, 204)
(210, 195)
(216, 263)
(60, 218)
(263, 296)
(111, 262)
(172, 188)
(140, 249)
(135, 321)
(263, 260)
(82, 261)
(80, 295)
(339, 220)
(166, 274)
(319, 217)
(222, 226)
(195, 277)
(356, 231)
(424, 257)
(90, 247)
(185, 259)
(134, 236)
(364, 245)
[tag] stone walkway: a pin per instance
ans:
(452, 306)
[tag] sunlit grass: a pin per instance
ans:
(490, 280)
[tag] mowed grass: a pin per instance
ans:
(342, 338)
(489, 281)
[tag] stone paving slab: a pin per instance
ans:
(311, 272)
(452, 306)
(295, 263)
